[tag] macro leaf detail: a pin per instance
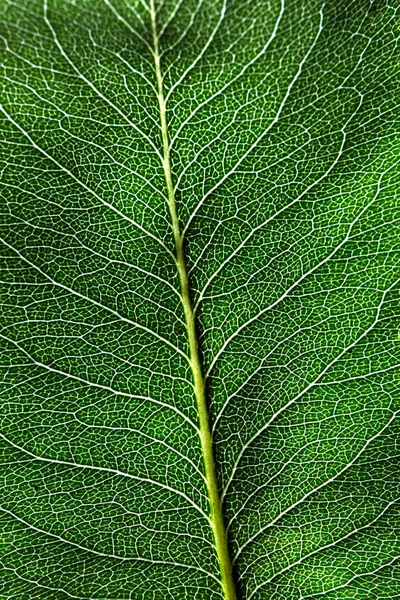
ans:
(199, 287)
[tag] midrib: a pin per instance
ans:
(215, 516)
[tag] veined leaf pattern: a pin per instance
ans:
(199, 283)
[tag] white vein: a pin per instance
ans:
(268, 129)
(313, 491)
(317, 266)
(86, 187)
(117, 472)
(95, 302)
(326, 547)
(98, 385)
(309, 386)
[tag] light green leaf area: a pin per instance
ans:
(199, 259)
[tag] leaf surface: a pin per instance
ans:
(199, 245)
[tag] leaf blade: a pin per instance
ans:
(284, 167)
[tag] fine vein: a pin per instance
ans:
(215, 515)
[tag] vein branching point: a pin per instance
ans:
(216, 516)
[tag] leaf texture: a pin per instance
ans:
(278, 124)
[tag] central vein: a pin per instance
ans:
(215, 515)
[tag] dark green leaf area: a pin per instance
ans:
(278, 124)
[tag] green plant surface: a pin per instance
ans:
(199, 285)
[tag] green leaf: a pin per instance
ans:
(199, 267)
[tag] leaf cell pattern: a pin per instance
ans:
(282, 135)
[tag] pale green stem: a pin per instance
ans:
(215, 516)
